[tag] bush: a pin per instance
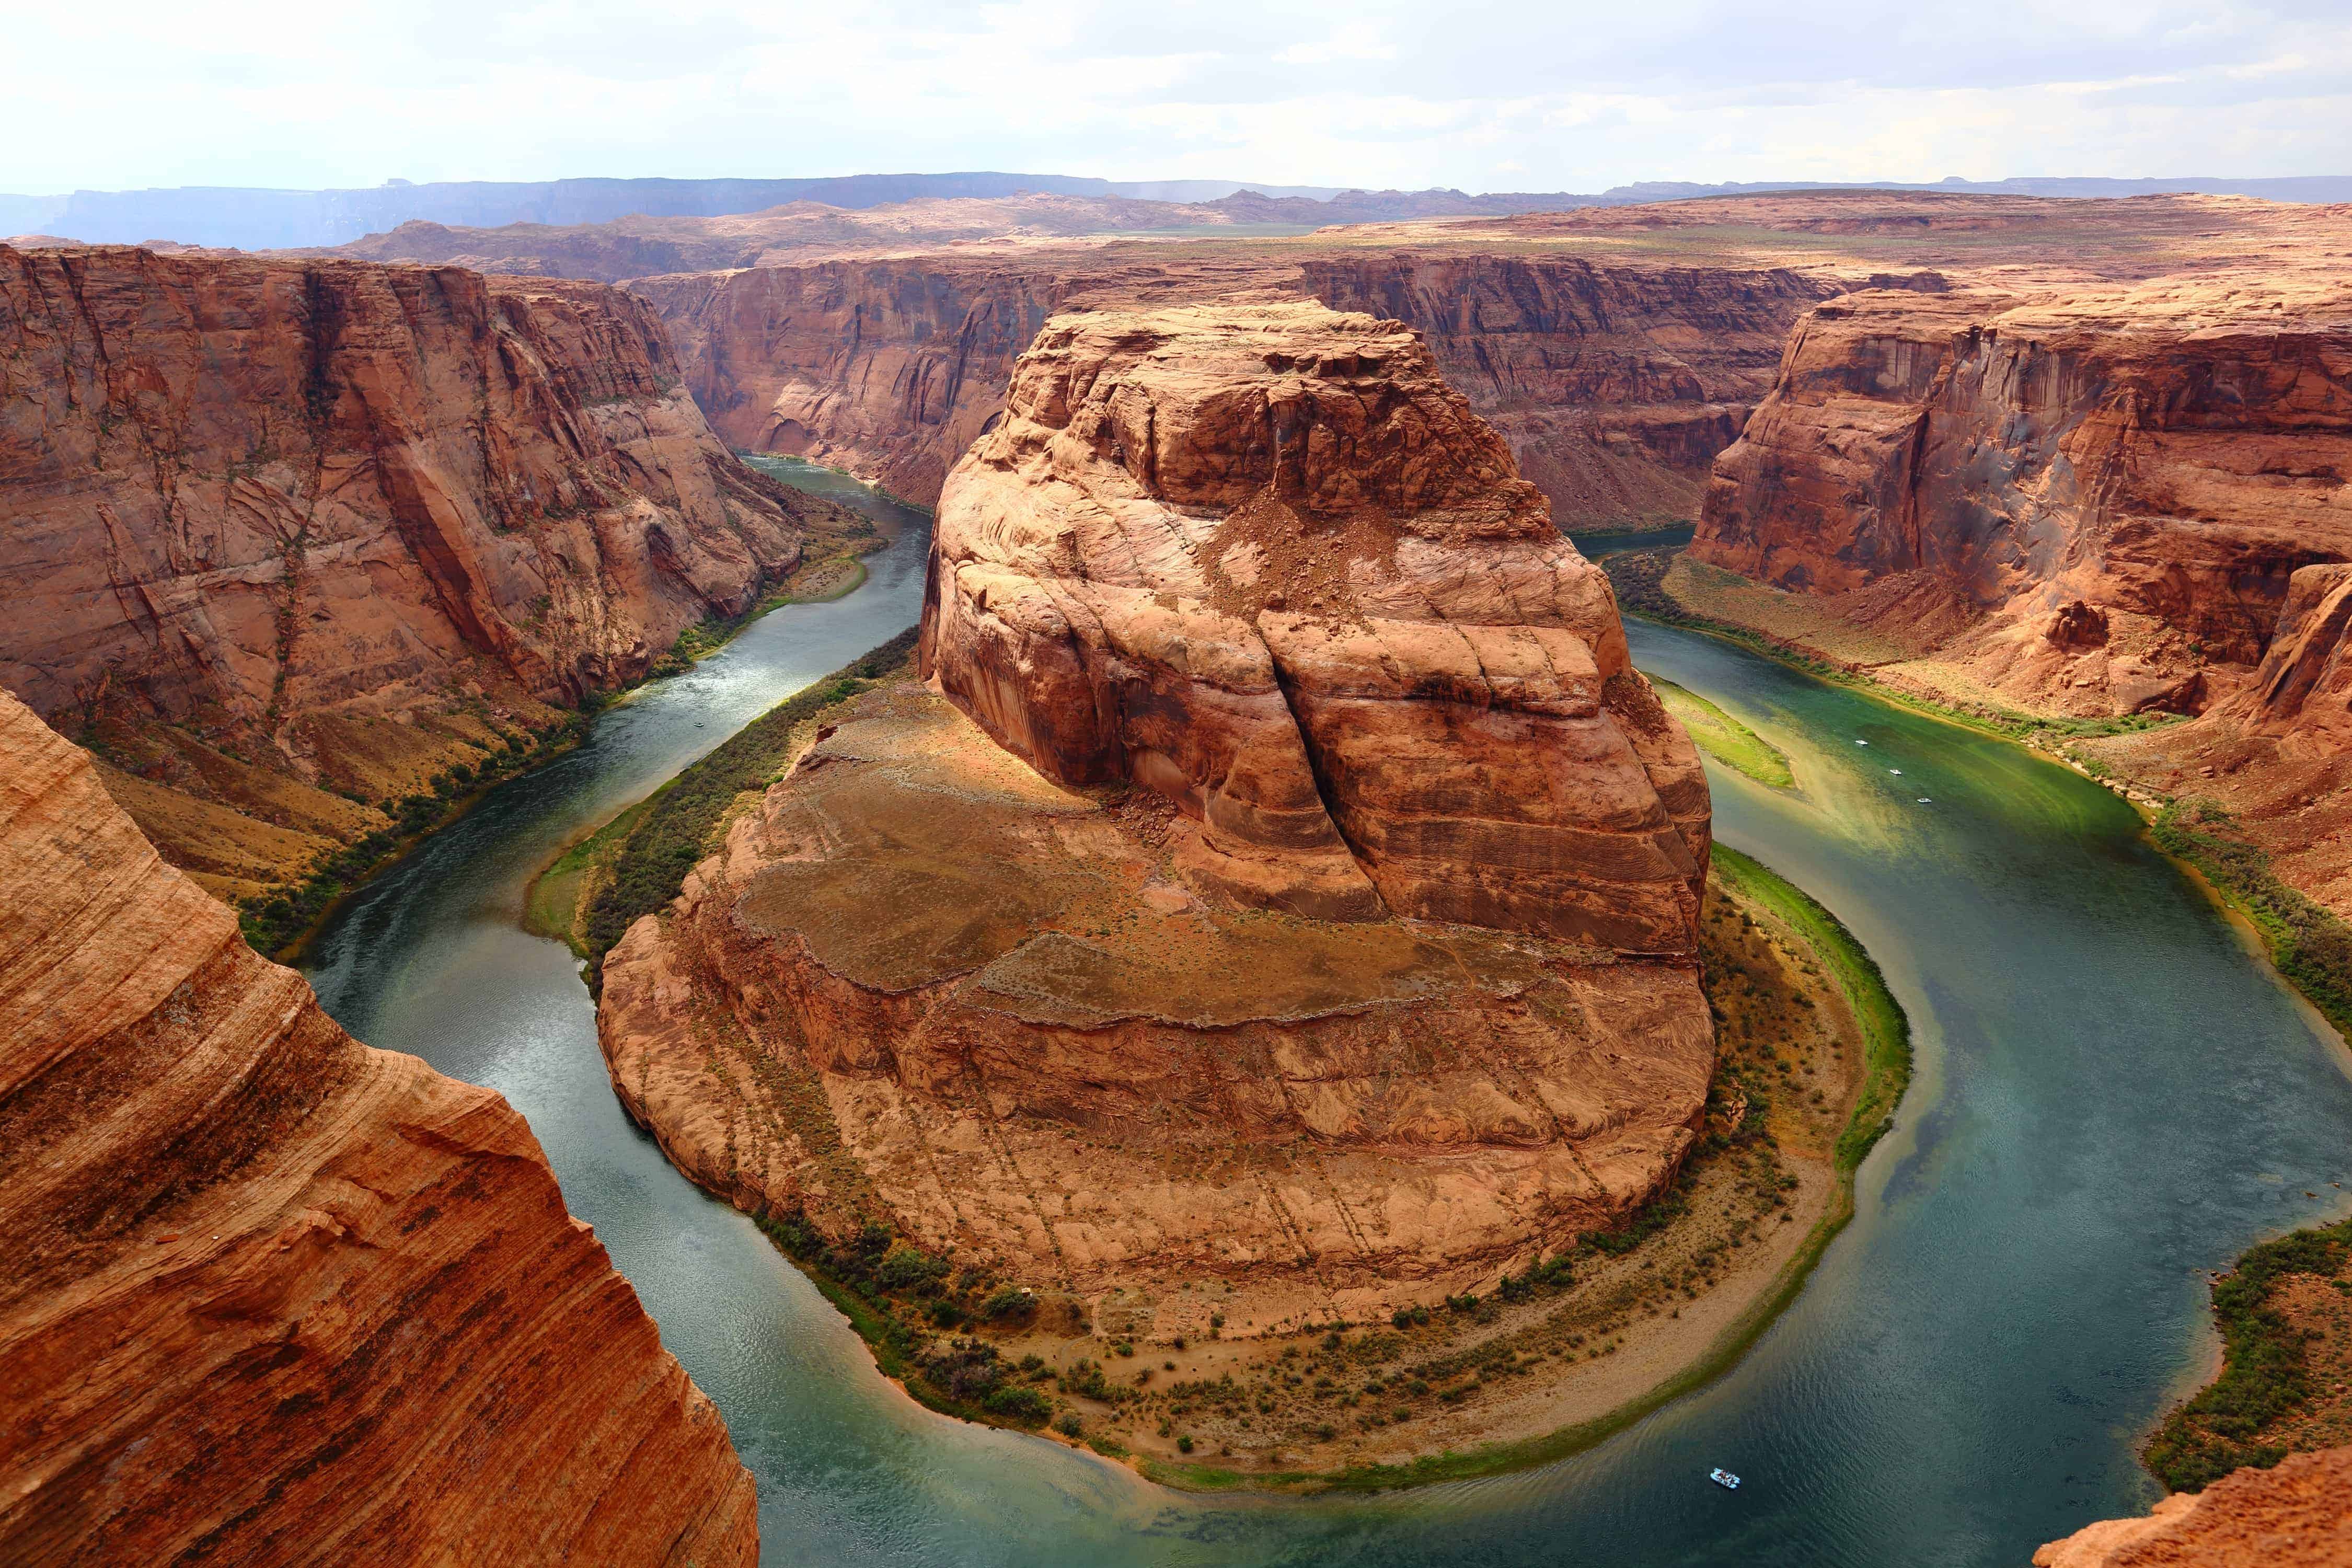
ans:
(1069, 1425)
(1014, 1403)
(1007, 1302)
(1184, 1444)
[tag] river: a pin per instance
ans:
(2112, 1095)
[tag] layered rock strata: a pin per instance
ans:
(264, 501)
(2103, 498)
(2298, 1515)
(1293, 889)
(1264, 561)
(1614, 385)
(273, 1296)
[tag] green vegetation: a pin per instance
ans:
(2308, 943)
(1724, 738)
(278, 925)
(649, 865)
(2264, 1373)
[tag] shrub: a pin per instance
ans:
(1069, 1425)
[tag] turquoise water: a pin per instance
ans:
(2112, 1095)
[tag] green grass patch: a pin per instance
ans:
(649, 866)
(1724, 738)
(2308, 942)
(2264, 1375)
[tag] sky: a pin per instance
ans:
(1499, 97)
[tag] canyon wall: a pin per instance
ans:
(1288, 912)
(253, 512)
(1614, 385)
(2101, 498)
(273, 1296)
(2294, 1516)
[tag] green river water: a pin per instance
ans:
(2112, 1095)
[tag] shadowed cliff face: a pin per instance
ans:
(253, 512)
(2110, 493)
(1614, 386)
(270, 488)
(1294, 890)
(273, 1296)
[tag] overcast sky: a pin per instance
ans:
(1531, 96)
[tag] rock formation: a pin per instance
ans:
(1263, 561)
(1615, 385)
(2105, 496)
(276, 1298)
(2296, 1516)
(1294, 892)
(270, 507)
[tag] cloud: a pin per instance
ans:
(1573, 97)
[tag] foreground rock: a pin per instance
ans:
(1280, 924)
(287, 540)
(2298, 1515)
(273, 1296)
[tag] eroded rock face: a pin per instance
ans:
(273, 1296)
(2296, 1516)
(1293, 891)
(1263, 561)
(254, 511)
(271, 486)
(924, 985)
(1614, 386)
(2156, 462)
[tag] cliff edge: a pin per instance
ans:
(273, 1296)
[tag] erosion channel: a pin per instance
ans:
(2111, 1095)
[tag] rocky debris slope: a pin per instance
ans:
(1264, 929)
(2296, 1516)
(275, 506)
(1264, 561)
(276, 1298)
(2101, 498)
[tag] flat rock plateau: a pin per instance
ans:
(1284, 883)
(274, 1297)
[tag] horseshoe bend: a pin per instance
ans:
(1272, 902)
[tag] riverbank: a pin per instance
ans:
(2308, 945)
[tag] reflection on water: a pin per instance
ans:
(2110, 1097)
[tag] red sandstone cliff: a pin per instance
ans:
(2296, 1516)
(272, 1297)
(2101, 498)
(1264, 561)
(1614, 385)
(1295, 900)
(259, 503)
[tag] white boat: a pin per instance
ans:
(1724, 1478)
